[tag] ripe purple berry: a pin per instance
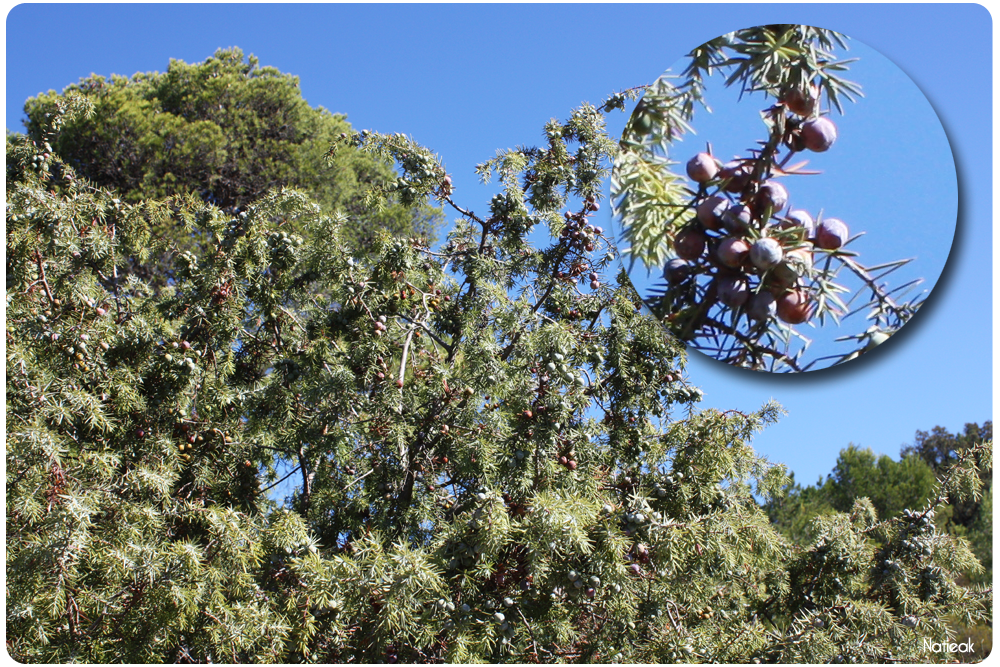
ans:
(736, 174)
(710, 212)
(702, 168)
(689, 243)
(794, 307)
(737, 219)
(772, 195)
(819, 134)
(761, 306)
(677, 271)
(733, 291)
(801, 102)
(799, 218)
(732, 251)
(766, 253)
(831, 234)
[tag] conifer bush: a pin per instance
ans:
(498, 456)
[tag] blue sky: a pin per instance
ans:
(468, 80)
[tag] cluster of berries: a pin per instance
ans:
(582, 234)
(759, 260)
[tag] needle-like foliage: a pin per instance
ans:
(497, 454)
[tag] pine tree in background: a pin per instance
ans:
(498, 453)
(227, 131)
(890, 485)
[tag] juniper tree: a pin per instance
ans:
(742, 268)
(940, 449)
(980, 536)
(499, 456)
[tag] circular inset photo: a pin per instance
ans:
(784, 199)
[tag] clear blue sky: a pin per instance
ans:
(467, 80)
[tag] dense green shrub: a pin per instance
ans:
(498, 454)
